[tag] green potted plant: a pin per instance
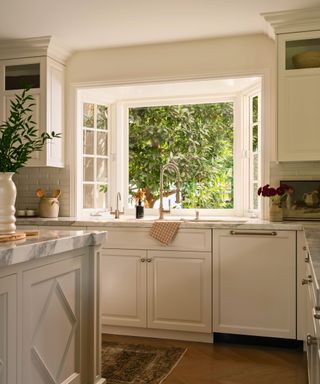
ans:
(19, 139)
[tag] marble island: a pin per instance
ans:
(47, 243)
(50, 308)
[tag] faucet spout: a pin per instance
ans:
(170, 166)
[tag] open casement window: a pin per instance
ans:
(254, 149)
(94, 158)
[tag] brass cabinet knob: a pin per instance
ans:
(308, 280)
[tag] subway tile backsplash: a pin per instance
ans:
(28, 180)
(308, 170)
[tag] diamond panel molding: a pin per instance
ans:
(50, 347)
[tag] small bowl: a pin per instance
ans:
(20, 212)
(307, 59)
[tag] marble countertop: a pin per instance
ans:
(47, 243)
(129, 221)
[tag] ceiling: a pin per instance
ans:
(89, 24)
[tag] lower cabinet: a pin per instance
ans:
(157, 289)
(8, 329)
(255, 283)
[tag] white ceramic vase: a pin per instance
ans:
(275, 212)
(8, 194)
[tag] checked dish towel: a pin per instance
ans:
(164, 231)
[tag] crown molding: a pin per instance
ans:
(298, 20)
(34, 47)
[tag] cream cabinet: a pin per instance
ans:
(8, 329)
(179, 285)
(123, 287)
(147, 285)
(298, 98)
(254, 290)
(43, 71)
(312, 320)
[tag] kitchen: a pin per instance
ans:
(237, 55)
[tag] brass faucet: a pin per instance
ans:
(117, 212)
(170, 166)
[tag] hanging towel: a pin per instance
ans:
(164, 231)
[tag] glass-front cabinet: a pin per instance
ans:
(299, 96)
(45, 78)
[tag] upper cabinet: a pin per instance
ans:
(298, 42)
(39, 64)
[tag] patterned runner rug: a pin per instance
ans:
(138, 363)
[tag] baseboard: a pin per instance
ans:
(257, 340)
(158, 333)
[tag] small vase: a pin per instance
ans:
(8, 193)
(275, 212)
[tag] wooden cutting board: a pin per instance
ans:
(18, 236)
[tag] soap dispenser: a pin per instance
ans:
(139, 210)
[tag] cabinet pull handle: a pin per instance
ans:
(307, 280)
(311, 340)
(142, 260)
(149, 260)
(247, 233)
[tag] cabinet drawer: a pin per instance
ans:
(139, 238)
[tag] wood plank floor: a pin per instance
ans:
(230, 363)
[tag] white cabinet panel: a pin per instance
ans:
(255, 283)
(123, 287)
(299, 118)
(139, 238)
(8, 329)
(52, 323)
(179, 285)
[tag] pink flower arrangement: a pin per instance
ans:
(277, 194)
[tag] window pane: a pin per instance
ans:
(88, 139)
(88, 115)
(255, 166)
(88, 169)
(255, 111)
(255, 138)
(102, 117)
(255, 196)
(200, 139)
(102, 143)
(88, 196)
(101, 199)
(102, 170)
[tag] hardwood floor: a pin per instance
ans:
(221, 363)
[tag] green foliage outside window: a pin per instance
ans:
(198, 137)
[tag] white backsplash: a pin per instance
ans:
(30, 179)
(308, 170)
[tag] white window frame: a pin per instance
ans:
(80, 211)
(118, 150)
(247, 97)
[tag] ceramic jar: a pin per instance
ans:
(49, 207)
(275, 212)
(8, 193)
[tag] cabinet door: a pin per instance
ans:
(55, 112)
(8, 329)
(299, 116)
(53, 324)
(179, 290)
(255, 283)
(123, 287)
